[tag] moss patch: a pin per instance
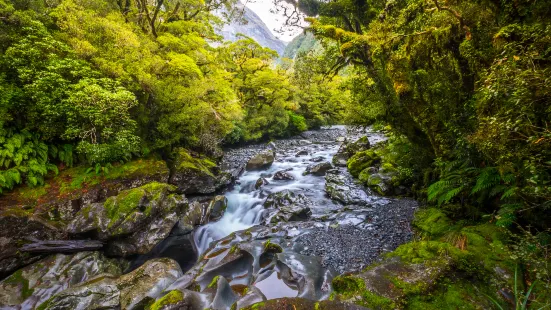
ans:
(128, 201)
(17, 279)
(172, 298)
(432, 221)
(362, 160)
(183, 161)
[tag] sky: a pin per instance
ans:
(265, 9)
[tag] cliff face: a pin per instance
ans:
(255, 28)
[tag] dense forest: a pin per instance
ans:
(462, 90)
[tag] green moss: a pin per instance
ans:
(272, 247)
(214, 282)
(462, 294)
(428, 252)
(183, 161)
(126, 202)
(362, 160)
(348, 285)
(364, 176)
(17, 279)
(432, 221)
(173, 297)
(375, 301)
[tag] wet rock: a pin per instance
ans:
(224, 297)
(34, 284)
(184, 299)
(306, 274)
(197, 175)
(342, 189)
(16, 228)
(318, 169)
(134, 221)
(101, 293)
(304, 142)
(303, 304)
(252, 296)
(287, 206)
(261, 161)
(217, 207)
(260, 182)
(317, 159)
(301, 153)
(147, 282)
(283, 175)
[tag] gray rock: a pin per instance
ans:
(283, 175)
(317, 159)
(342, 189)
(318, 169)
(301, 153)
(261, 161)
(347, 150)
(34, 284)
(286, 206)
(260, 182)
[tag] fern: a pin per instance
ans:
(23, 157)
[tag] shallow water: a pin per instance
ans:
(245, 203)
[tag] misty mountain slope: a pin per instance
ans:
(255, 28)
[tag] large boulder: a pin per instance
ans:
(197, 175)
(318, 169)
(36, 283)
(286, 206)
(342, 189)
(134, 221)
(348, 150)
(362, 160)
(261, 161)
(134, 290)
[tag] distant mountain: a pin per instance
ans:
(255, 28)
(301, 43)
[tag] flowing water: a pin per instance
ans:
(245, 202)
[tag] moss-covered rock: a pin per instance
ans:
(134, 221)
(172, 298)
(348, 149)
(196, 175)
(302, 304)
(35, 283)
(362, 160)
(432, 221)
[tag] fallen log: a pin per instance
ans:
(61, 246)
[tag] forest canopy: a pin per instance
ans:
(95, 82)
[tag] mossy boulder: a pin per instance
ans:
(197, 175)
(36, 283)
(261, 161)
(362, 160)
(348, 150)
(286, 206)
(202, 212)
(134, 221)
(173, 297)
(386, 285)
